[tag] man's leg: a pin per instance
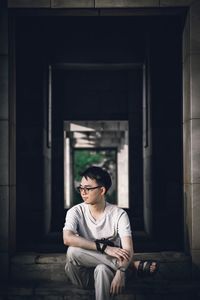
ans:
(79, 263)
(90, 258)
(76, 273)
(103, 276)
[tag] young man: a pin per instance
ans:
(99, 238)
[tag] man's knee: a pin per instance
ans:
(102, 270)
(73, 253)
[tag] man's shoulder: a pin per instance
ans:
(114, 209)
(77, 208)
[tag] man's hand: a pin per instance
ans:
(118, 283)
(119, 253)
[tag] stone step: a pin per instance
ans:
(137, 290)
(28, 267)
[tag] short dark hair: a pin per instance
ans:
(101, 176)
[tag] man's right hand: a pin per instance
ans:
(119, 253)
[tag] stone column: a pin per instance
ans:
(191, 132)
(4, 146)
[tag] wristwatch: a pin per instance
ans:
(122, 269)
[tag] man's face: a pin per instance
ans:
(91, 192)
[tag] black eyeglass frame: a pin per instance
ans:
(87, 189)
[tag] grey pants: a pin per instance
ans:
(87, 268)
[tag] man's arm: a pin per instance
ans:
(118, 281)
(71, 239)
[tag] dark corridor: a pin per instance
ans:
(147, 53)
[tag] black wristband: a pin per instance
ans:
(104, 248)
(102, 244)
(98, 246)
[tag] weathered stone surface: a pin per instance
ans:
(29, 3)
(24, 258)
(4, 217)
(17, 289)
(187, 152)
(126, 3)
(173, 265)
(64, 288)
(186, 38)
(195, 27)
(3, 32)
(4, 152)
(4, 266)
(195, 86)
(195, 151)
(72, 3)
(171, 3)
(196, 264)
(195, 213)
(51, 259)
(38, 272)
(186, 90)
(3, 87)
(139, 289)
(188, 216)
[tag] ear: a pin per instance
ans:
(103, 190)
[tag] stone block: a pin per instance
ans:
(12, 151)
(38, 272)
(126, 3)
(51, 259)
(186, 90)
(195, 27)
(3, 32)
(29, 3)
(4, 218)
(194, 85)
(3, 87)
(24, 259)
(69, 291)
(195, 216)
(188, 217)
(187, 152)
(172, 3)
(195, 151)
(12, 217)
(72, 3)
(196, 263)
(4, 153)
(4, 266)
(49, 297)
(186, 38)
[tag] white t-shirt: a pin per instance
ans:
(113, 225)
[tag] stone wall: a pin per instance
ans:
(4, 146)
(191, 119)
(191, 129)
(97, 3)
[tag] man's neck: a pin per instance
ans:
(98, 208)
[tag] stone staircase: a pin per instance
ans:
(41, 277)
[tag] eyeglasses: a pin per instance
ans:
(86, 190)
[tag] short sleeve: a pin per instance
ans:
(71, 220)
(124, 227)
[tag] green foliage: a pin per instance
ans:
(86, 158)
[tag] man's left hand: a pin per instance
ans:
(118, 283)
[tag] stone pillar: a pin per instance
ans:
(47, 150)
(4, 146)
(191, 132)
